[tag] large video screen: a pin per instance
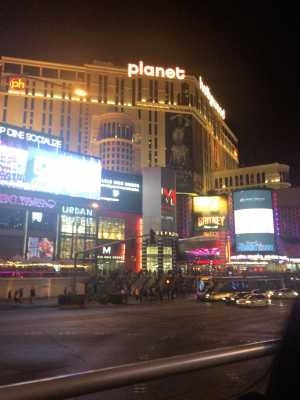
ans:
(254, 221)
(58, 173)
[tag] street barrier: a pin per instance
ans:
(73, 385)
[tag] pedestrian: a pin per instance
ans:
(137, 294)
(20, 295)
(9, 295)
(160, 294)
(168, 293)
(141, 295)
(32, 294)
(16, 296)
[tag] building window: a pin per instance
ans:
(68, 75)
(251, 179)
(230, 181)
(236, 178)
(216, 183)
(263, 177)
(247, 179)
(12, 68)
(241, 180)
(31, 70)
(50, 73)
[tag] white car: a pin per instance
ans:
(254, 300)
(285, 294)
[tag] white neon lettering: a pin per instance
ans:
(212, 101)
(158, 72)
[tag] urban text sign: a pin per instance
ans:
(212, 101)
(157, 72)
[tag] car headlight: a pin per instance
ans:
(248, 302)
(279, 294)
(238, 302)
(232, 298)
(296, 293)
(207, 295)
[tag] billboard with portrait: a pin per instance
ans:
(210, 213)
(179, 149)
(40, 247)
(254, 221)
(58, 173)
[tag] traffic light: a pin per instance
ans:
(152, 237)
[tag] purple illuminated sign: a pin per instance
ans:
(26, 201)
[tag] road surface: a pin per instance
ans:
(42, 342)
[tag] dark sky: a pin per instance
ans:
(248, 54)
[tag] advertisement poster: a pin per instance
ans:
(210, 213)
(40, 248)
(45, 171)
(254, 221)
(179, 149)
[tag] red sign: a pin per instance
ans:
(168, 197)
(16, 83)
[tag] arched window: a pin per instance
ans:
(258, 180)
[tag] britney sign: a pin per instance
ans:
(157, 72)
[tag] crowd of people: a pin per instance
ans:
(17, 296)
(143, 286)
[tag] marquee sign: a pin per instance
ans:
(157, 72)
(78, 211)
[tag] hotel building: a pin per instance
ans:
(131, 117)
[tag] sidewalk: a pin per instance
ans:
(38, 303)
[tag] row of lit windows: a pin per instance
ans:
(240, 180)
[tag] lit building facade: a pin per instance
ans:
(169, 119)
(273, 176)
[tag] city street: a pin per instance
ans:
(42, 342)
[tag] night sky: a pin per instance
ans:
(247, 54)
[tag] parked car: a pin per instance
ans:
(254, 300)
(237, 296)
(285, 294)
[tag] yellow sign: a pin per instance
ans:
(211, 212)
(17, 83)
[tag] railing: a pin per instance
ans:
(66, 386)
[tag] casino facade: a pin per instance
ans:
(132, 117)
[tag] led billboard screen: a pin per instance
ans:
(51, 172)
(210, 213)
(254, 221)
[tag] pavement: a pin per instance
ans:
(38, 342)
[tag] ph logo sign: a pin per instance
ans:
(16, 83)
(157, 72)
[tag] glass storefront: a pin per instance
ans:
(167, 258)
(111, 228)
(152, 258)
(77, 234)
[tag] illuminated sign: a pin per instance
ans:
(211, 212)
(112, 253)
(82, 211)
(16, 83)
(211, 222)
(45, 171)
(254, 221)
(212, 101)
(26, 201)
(157, 72)
(26, 135)
(168, 197)
(121, 191)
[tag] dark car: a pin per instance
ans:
(235, 297)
